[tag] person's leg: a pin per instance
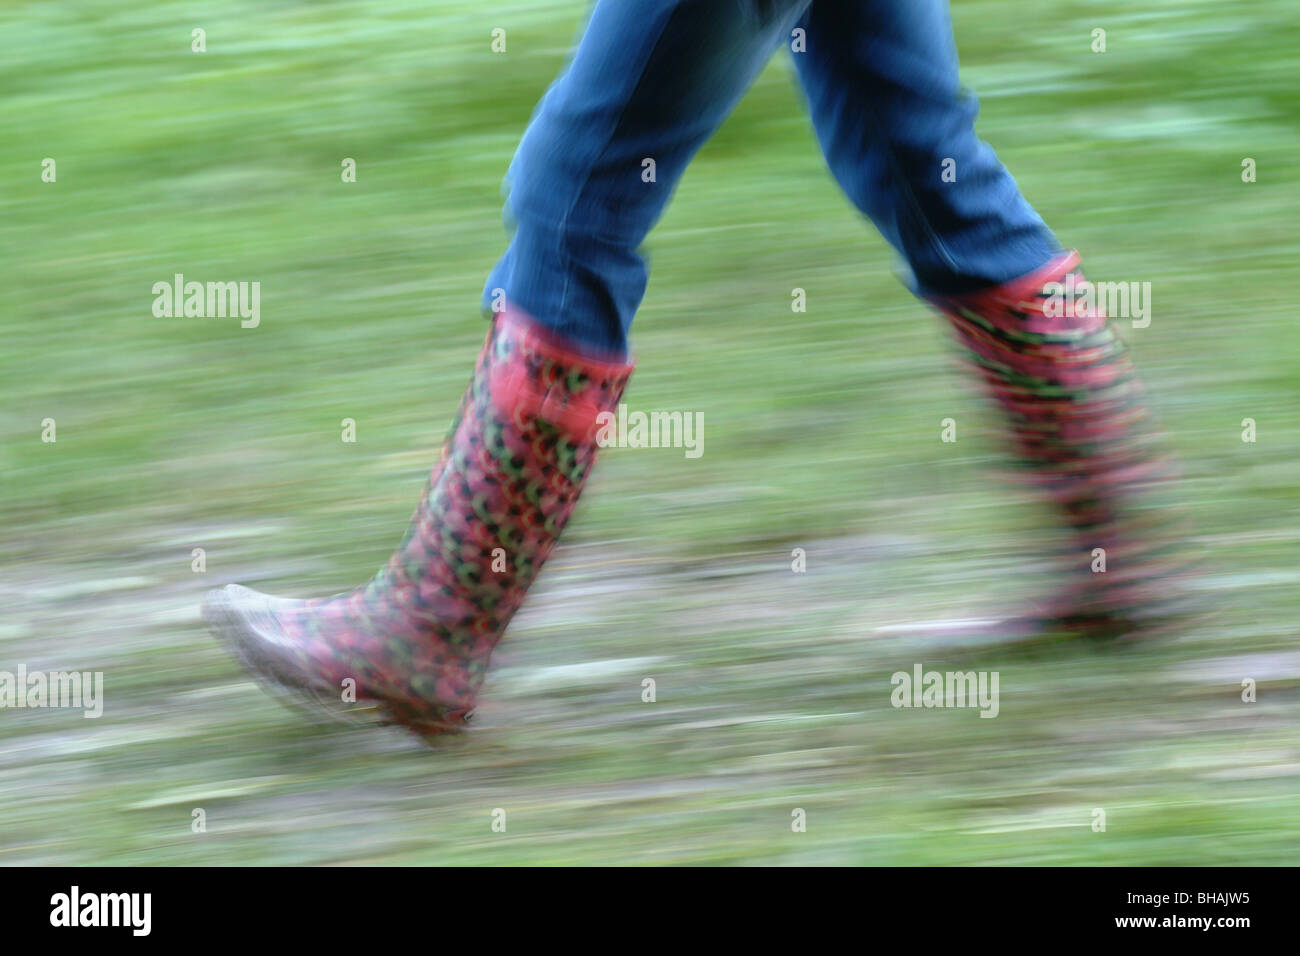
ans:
(651, 79)
(881, 81)
(898, 133)
(649, 83)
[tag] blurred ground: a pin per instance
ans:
(822, 432)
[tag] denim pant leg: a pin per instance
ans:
(880, 77)
(650, 81)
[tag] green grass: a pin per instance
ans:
(822, 432)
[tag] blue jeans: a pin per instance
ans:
(653, 79)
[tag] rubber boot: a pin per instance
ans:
(1081, 432)
(414, 643)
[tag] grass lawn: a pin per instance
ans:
(822, 432)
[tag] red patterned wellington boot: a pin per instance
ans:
(1080, 429)
(415, 641)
